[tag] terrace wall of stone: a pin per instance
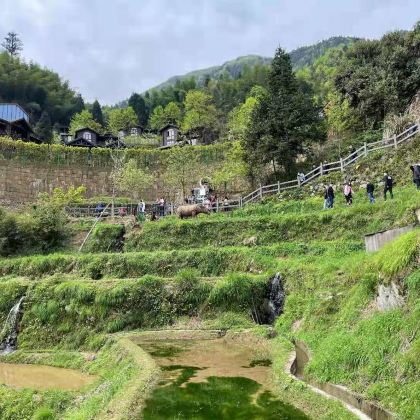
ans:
(26, 169)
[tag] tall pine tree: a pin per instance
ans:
(284, 119)
(97, 113)
(138, 103)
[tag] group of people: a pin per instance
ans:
(370, 190)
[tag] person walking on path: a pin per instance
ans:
(161, 205)
(141, 208)
(370, 188)
(348, 194)
(388, 184)
(330, 195)
(416, 174)
(326, 200)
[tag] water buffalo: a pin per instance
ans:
(191, 210)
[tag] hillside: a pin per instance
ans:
(301, 57)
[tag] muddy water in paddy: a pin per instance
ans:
(213, 379)
(43, 377)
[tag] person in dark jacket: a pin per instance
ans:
(416, 175)
(330, 195)
(388, 184)
(370, 188)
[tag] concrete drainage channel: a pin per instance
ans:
(355, 403)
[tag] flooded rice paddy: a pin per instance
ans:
(43, 377)
(213, 379)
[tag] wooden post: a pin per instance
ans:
(217, 205)
(341, 164)
(395, 141)
(240, 202)
(278, 187)
(298, 179)
(321, 171)
(261, 193)
(365, 146)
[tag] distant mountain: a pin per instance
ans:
(305, 56)
(232, 68)
(300, 57)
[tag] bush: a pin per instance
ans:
(106, 238)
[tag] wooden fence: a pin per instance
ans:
(325, 168)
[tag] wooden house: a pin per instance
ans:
(170, 135)
(14, 122)
(86, 137)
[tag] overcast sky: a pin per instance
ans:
(109, 48)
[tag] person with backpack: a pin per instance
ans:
(370, 188)
(388, 184)
(348, 194)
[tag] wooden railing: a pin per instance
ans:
(325, 168)
(263, 190)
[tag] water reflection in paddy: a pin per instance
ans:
(213, 379)
(43, 377)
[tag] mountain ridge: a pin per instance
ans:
(300, 57)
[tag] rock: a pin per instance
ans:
(388, 297)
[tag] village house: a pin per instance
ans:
(14, 122)
(136, 130)
(170, 135)
(86, 137)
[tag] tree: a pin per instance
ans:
(157, 119)
(43, 128)
(182, 169)
(12, 44)
(82, 120)
(172, 114)
(79, 104)
(134, 180)
(138, 104)
(233, 169)
(121, 119)
(283, 119)
(200, 113)
(97, 113)
(240, 118)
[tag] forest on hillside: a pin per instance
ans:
(345, 88)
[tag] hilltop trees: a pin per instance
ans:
(82, 120)
(139, 106)
(283, 119)
(12, 44)
(121, 119)
(97, 113)
(200, 112)
(380, 77)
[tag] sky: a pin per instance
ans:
(108, 49)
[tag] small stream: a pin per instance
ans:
(212, 379)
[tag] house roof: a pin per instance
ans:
(20, 122)
(168, 126)
(85, 129)
(13, 112)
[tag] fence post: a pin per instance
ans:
(321, 170)
(298, 179)
(395, 141)
(240, 202)
(261, 191)
(341, 164)
(217, 205)
(278, 187)
(365, 146)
